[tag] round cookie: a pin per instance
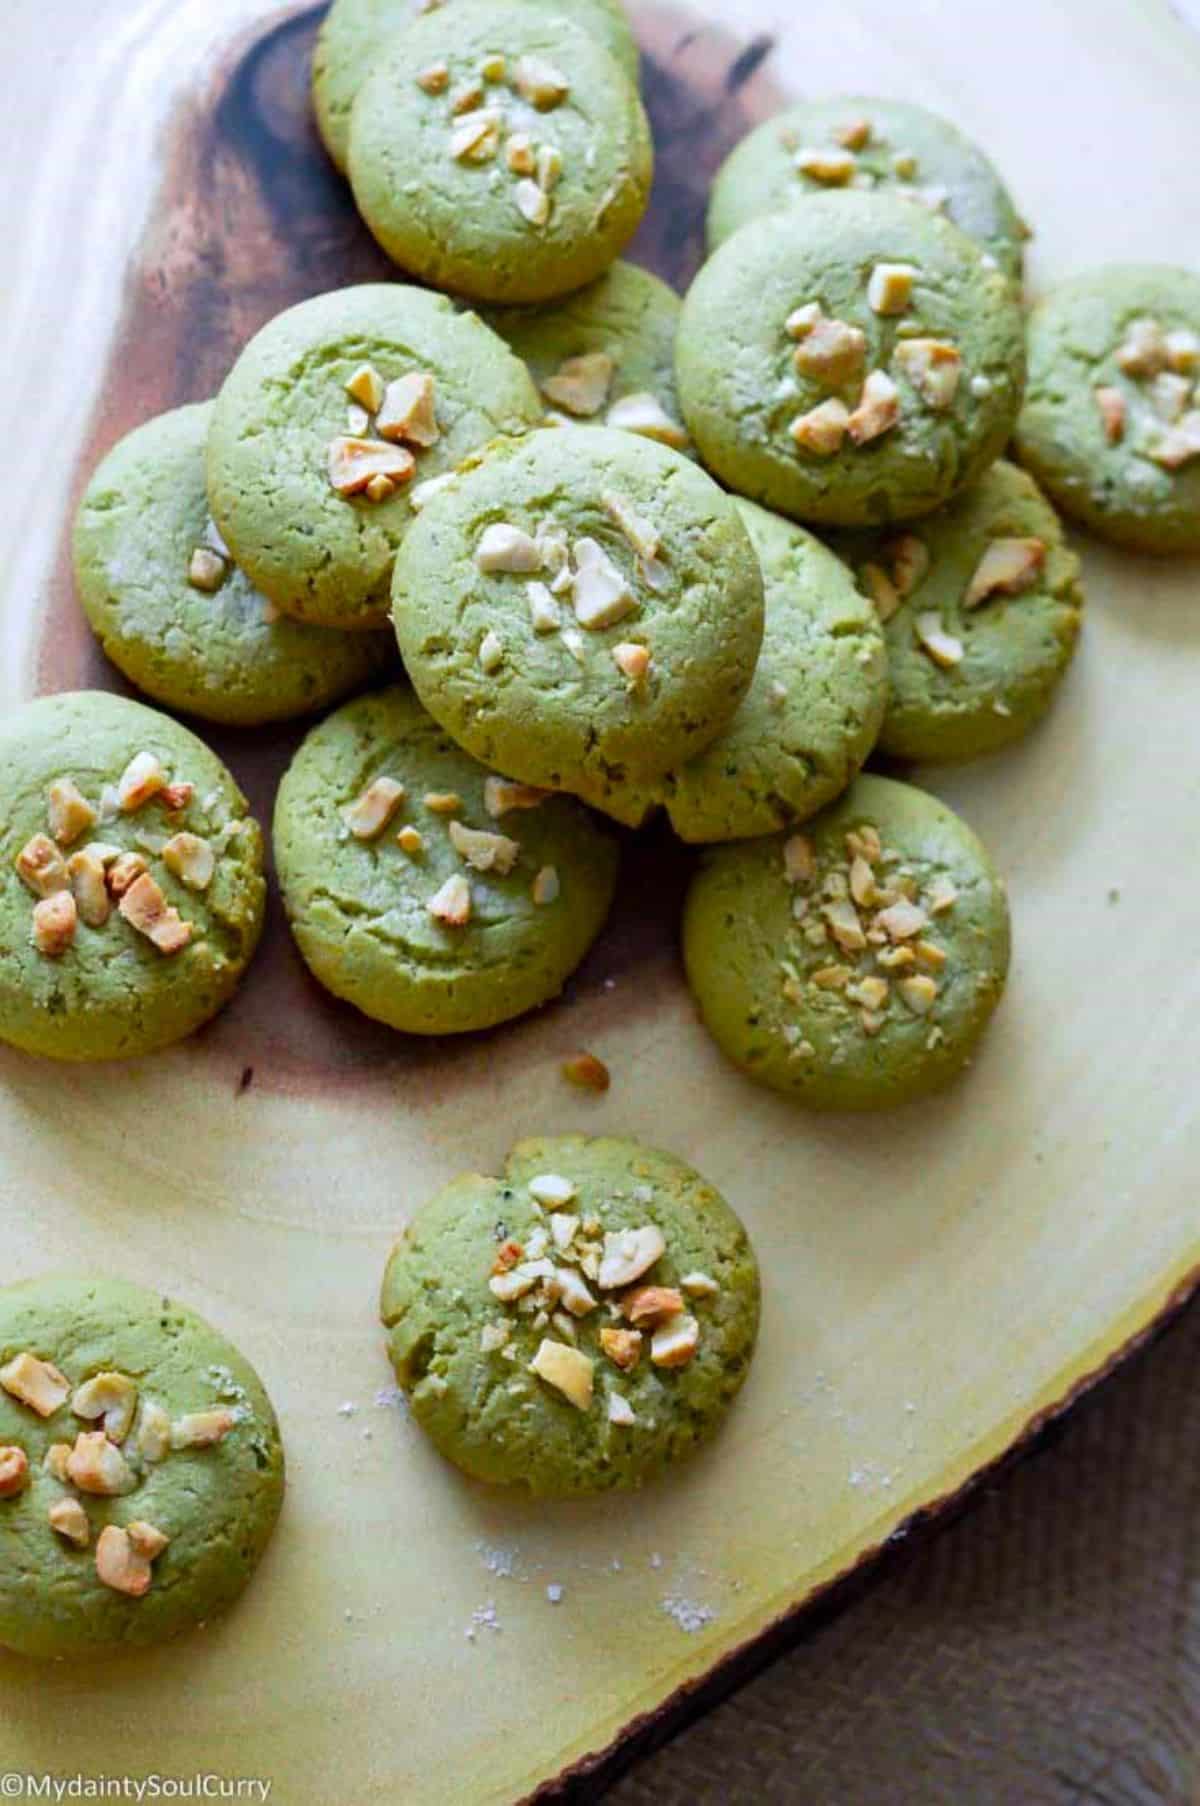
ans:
(354, 33)
(1111, 423)
(854, 965)
(521, 883)
(278, 441)
(643, 1311)
(170, 1436)
(131, 879)
(814, 709)
(581, 610)
(856, 368)
(982, 604)
(518, 184)
(852, 141)
(606, 355)
(179, 619)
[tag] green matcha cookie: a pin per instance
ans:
(330, 424)
(131, 884)
(1111, 424)
(576, 1325)
(435, 897)
(813, 711)
(982, 605)
(854, 141)
(855, 965)
(500, 151)
(852, 365)
(355, 32)
(141, 1472)
(581, 610)
(604, 356)
(175, 614)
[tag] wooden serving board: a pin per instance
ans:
(937, 1281)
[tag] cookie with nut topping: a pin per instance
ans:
(582, 611)
(577, 1324)
(981, 605)
(141, 1469)
(172, 610)
(850, 142)
(354, 34)
(131, 879)
(850, 362)
(500, 151)
(855, 963)
(329, 430)
(433, 895)
(1111, 422)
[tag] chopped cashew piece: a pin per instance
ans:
(191, 859)
(35, 1383)
(466, 99)
(575, 1295)
(587, 1072)
(822, 430)
(452, 903)
(564, 1368)
(902, 921)
(676, 1343)
(562, 1228)
(69, 811)
(620, 1411)
(14, 1470)
(1143, 351)
(544, 612)
(41, 867)
(581, 384)
(1007, 567)
(55, 1461)
(890, 287)
(831, 351)
(855, 135)
(142, 779)
(500, 796)
(602, 594)
(643, 413)
(1169, 397)
(55, 920)
(88, 887)
(111, 1397)
(622, 1346)
(505, 548)
(546, 887)
(538, 81)
(125, 869)
(551, 1188)
(70, 1521)
(147, 1539)
(909, 558)
(941, 895)
(206, 570)
(379, 489)
(484, 852)
(366, 386)
(119, 1565)
(433, 80)
(443, 802)
(832, 167)
(801, 321)
(878, 409)
(493, 1336)
(355, 463)
(358, 421)
(919, 993)
(519, 154)
(533, 203)
(699, 1285)
(175, 797)
(799, 860)
(96, 1465)
(202, 1429)
(628, 1254)
(153, 1433)
(146, 909)
(408, 411)
(882, 590)
(476, 137)
(945, 649)
(644, 539)
(1179, 444)
(933, 368)
(491, 652)
(632, 661)
(549, 167)
(411, 841)
(844, 924)
(371, 812)
(648, 1306)
(1183, 351)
